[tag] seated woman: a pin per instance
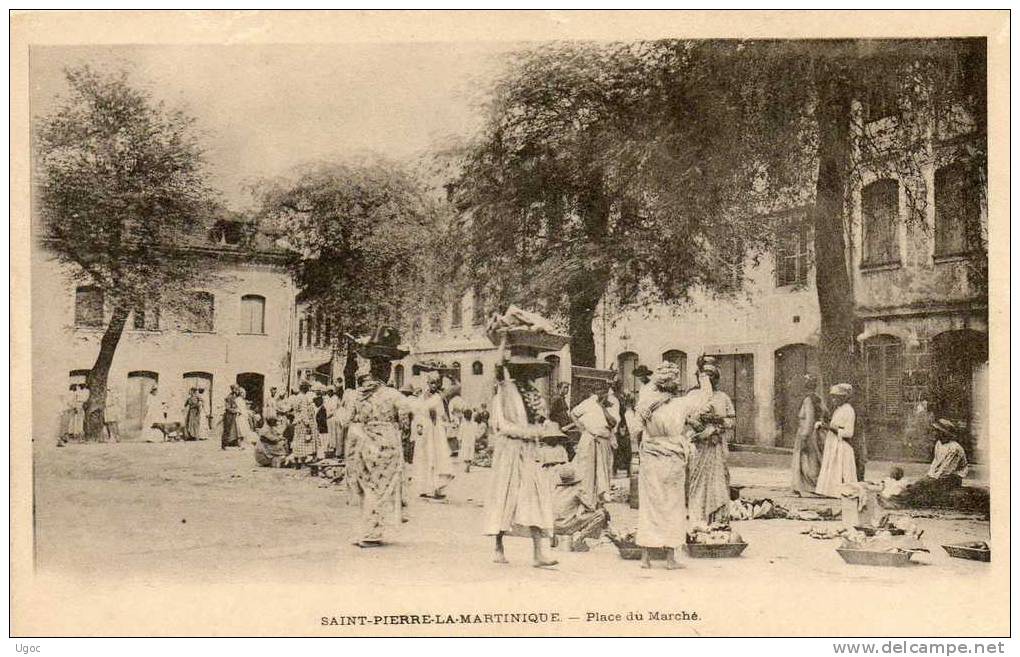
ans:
(577, 518)
(943, 486)
(271, 448)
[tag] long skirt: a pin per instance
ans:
(593, 463)
(433, 470)
(376, 471)
(193, 424)
(838, 466)
(336, 435)
(229, 437)
(662, 515)
(520, 495)
(806, 464)
(303, 444)
(708, 486)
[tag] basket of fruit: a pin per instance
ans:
(975, 551)
(717, 541)
(882, 549)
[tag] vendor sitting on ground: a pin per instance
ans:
(943, 486)
(576, 515)
(271, 448)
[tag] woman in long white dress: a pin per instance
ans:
(245, 425)
(155, 418)
(838, 466)
(432, 468)
(666, 450)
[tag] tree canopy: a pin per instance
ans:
(121, 194)
(363, 233)
(642, 171)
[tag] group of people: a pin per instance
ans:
(830, 455)
(159, 422)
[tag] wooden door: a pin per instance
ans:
(136, 401)
(793, 362)
(737, 380)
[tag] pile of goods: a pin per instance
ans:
(714, 534)
(895, 526)
(618, 492)
(331, 469)
(826, 534)
(821, 514)
(882, 541)
(756, 510)
(628, 547)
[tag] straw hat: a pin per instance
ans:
(568, 477)
(842, 389)
(946, 427)
(552, 430)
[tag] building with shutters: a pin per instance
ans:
(237, 330)
(921, 309)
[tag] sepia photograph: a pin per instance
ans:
(572, 323)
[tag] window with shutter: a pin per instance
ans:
(457, 313)
(792, 254)
(884, 377)
(88, 306)
(957, 209)
(478, 306)
(880, 215)
(253, 314)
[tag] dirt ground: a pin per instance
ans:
(184, 512)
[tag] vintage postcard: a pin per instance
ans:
(527, 323)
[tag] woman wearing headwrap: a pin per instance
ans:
(375, 460)
(709, 484)
(520, 496)
(665, 451)
(433, 469)
(838, 466)
(807, 450)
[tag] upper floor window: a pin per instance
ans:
(88, 306)
(253, 314)
(879, 103)
(200, 312)
(436, 322)
(478, 306)
(957, 210)
(301, 332)
(880, 205)
(793, 254)
(146, 318)
(628, 362)
(457, 314)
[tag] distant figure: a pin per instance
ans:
(468, 436)
(838, 465)
(807, 446)
(153, 430)
(894, 484)
(230, 436)
(111, 416)
(322, 427)
(271, 449)
(305, 425)
(270, 407)
(192, 415)
(559, 407)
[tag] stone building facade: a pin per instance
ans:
(242, 336)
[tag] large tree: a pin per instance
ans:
(638, 172)
(121, 193)
(364, 234)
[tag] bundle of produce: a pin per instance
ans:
(764, 509)
(713, 534)
(826, 534)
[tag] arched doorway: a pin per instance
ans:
(204, 382)
(626, 363)
(956, 361)
(253, 384)
(793, 361)
(136, 400)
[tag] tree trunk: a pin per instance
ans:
(583, 301)
(832, 280)
(95, 406)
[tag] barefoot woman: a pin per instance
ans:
(520, 494)
(375, 460)
(665, 451)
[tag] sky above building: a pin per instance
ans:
(264, 110)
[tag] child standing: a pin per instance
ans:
(468, 435)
